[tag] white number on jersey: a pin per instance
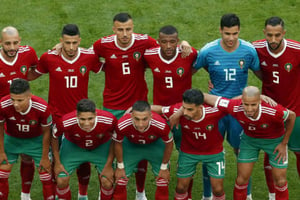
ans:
(276, 77)
(89, 143)
(142, 141)
(125, 68)
(169, 82)
(230, 74)
(199, 134)
(23, 127)
(220, 166)
(71, 81)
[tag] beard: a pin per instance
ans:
(8, 54)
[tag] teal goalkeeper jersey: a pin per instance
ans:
(228, 71)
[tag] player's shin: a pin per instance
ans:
(27, 174)
(268, 174)
(83, 174)
(63, 193)
(162, 189)
(140, 175)
(120, 192)
(4, 188)
(48, 185)
(281, 192)
(240, 191)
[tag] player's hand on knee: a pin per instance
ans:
(59, 168)
(165, 174)
(3, 157)
(282, 152)
(119, 174)
(45, 165)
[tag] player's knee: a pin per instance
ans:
(241, 180)
(217, 189)
(62, 182)
(280, 181)
(181, 188)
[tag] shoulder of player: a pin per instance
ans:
(25, 49)
(106, 39)
(158, 121)
(124, 122)
(210, 45)
(138, 36)
(210, 110)
(69, 119)
(152, 51)
(269, 110)
(6, 101)
(246, 44)
(260, 43)
(105, 117)
(89, 51)
(293, 44)
(39, 103)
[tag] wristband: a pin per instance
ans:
(120, 165)
(164, 166)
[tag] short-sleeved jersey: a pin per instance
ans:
(170, 77)
(68, 80)
(281, 73)
(158, 128)
(28, 124)
(269, 123)
(228, 71)
(101, 132)
(199, 137)
(124, 70)
(18, 68)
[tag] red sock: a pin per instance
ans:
(140, 175)
(27, 174)
(221, 197)
(282, 193)
(298, 162)
(4, 188)
(179, 196)
(120, 192)
(83, 174)
(48, 186)
(64, 193)
(190, 189)
(268, 174)
(240, 191)
(162, 189)
(106, 194)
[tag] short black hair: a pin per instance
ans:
(229, 20)
(122, 17)
(141, 106)
(274, 21)
(193, 96)
(19, 86)
(86, 105)
(168, 30)
(70, 29)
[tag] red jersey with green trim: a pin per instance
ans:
(281, 73)
(124, 70)
(158, 128)
(269, 123)
(28, 124)
(104, 126)
(201, 137)
(170, 77)
(18, 68)
(68, 80)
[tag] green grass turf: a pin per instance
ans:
(40, 23)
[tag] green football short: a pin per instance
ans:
(294, 142)
(187, 164)
(134, 153)
(117, 113)
(72, 156)
(250, 147)
(32, 147)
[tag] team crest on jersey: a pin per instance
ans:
(209, 127)
(82, 70)
(23, 69)
(137, 55)
(32, 122)
(180, 71)
(242, 63)
(264, 125)
(152, 137)
(288, 67)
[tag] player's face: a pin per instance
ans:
(124, 31)
(168, 44)
(21, 101)
(274, 36)
(10, 44)
(192, 111)
(141, 120)
(230, 37)
(86, 120)
(70, 45)
(251, 105)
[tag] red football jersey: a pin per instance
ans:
(281, 73)
(124, 70)
(201, 137)
(268, 124)
(104, 126)
(68, 80)
(25, 58)
(158, 128)
(170, 77)
(28, 124)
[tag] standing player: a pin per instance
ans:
(27, 121)
(69, 77)
(87, 138)
(15, 61)
(227, 60)
(172, 74)
(280, 65)
(148, 137)
(265, 128)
